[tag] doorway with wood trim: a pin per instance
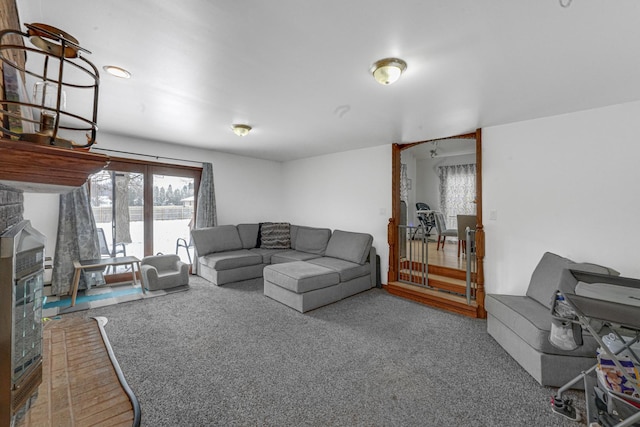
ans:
(420, 270)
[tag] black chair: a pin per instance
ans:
(426, 220)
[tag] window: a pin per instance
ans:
(457, 192)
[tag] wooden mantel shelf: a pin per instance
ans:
(26, 162)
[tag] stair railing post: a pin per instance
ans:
(469, 264)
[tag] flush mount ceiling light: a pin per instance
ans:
(388, 70)
(241, 130)
(117, 71)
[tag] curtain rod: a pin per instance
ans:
(146, 155)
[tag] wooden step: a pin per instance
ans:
(448, 283)
(435, 298)
(449, 272)
(437, 281)
(417, 267)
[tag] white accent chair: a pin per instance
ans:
(164, 271)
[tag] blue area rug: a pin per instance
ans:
(101, 296)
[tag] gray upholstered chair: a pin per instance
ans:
(164, 271)
(443, 231)
(465, 221)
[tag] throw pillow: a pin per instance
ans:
(275, 235)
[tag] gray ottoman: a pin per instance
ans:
(301, 286)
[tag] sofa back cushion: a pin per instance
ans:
(349, 246)
(545, 280)
(248, 235)
(594, 268)
(311, 240)
(216, 239)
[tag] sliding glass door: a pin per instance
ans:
(173, 214)
(117, 203)
(144, 208)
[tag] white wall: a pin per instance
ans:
(247, 189)
(42, 210)
(348, 191)
(566, 184)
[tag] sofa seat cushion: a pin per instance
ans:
(300, 276)
(346, 269)
(266, 254)
(531, 321)
(349, 246)
(291, 255)
(231, 259)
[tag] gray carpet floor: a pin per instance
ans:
(230, 356)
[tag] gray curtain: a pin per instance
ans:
(206, 208)
(77, 238)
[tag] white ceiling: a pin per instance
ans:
(298, 71)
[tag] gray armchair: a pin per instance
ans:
(164, 271)
(465, 221)
(443, 231)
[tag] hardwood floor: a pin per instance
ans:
(80, 384)
(447, 257)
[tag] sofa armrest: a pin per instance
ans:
(183, 268)
(149, 275)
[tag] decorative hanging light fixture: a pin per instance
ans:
(240, 129)
(57, 63)
(388, 70)
(434, 151)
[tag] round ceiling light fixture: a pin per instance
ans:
(388, 70)
(241, 130)
(117, 71)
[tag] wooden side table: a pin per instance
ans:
(104, 262)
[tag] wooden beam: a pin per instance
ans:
(392, 227)
(46, 164)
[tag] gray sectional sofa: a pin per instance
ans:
(303, 267)
(521, 324)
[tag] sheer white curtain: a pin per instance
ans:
(457, 191)
(404, 184)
